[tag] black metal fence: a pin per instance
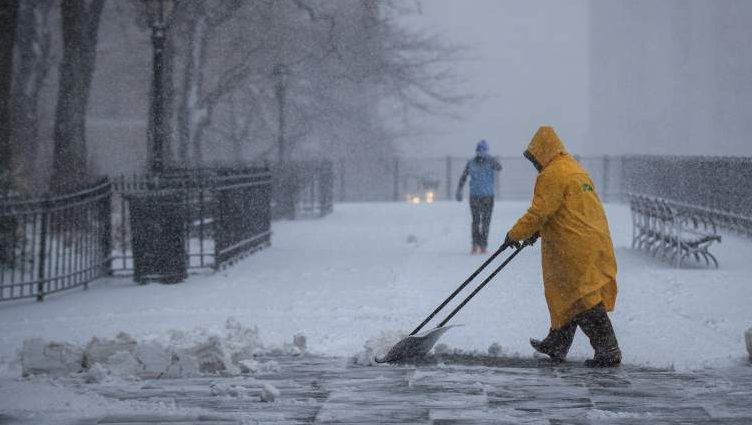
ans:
(243, 216)
(227, 213)
(423, 179)
(54, 243)
(303, 189)
(718, 187)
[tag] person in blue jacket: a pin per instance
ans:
(481, 170)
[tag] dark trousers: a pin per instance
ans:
(595, 324)
(481, 208)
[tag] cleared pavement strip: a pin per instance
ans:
(458, 389)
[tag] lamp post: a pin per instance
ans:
(157, 11)
(281, 73)
(287, 192)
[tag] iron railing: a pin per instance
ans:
(403, 179)
(303, 189)
(243, 215)
(719, 188)
(228, 213)
(54, 243)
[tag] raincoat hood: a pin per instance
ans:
(545, 146)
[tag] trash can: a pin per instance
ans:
(158, 237)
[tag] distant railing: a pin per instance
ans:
(53, 243)
(719, 188)
(407, 178)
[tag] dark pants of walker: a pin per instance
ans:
(596, 325)
(481, 207)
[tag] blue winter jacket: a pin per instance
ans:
(481, 171)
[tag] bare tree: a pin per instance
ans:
(33, 62)
(8, 18)
(342, 62)
(80, 22)
(197, 104)
(356, 58)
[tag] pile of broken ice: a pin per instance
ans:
(181, 354)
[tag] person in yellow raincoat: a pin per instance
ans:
(579, 266)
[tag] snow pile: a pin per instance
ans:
(748, 337)
(181, 354)
(270, 393)
(223, 390)
(252, 366)
(377, 346)
(54, 358)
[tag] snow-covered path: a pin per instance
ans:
(369, 268)
(329, 391)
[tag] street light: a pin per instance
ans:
(281, 74)
(287, 195)
(156, 12)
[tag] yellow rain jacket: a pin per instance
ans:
(579, 266)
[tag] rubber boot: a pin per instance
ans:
(557, 342)
(597, 326)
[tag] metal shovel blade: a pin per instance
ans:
(414, 346)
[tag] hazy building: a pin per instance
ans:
(670, 77)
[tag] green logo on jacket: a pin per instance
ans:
(586, 187)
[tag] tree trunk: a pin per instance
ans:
(80, 19)
(8, 17)
(192, 117)
(196, 107)
(32, 64)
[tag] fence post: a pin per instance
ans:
(342, 193)
(42, 251)
(106, 217)
(396, 179)
(449, 177)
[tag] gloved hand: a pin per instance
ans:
(458, 195)
(509, 242)
(532, 239)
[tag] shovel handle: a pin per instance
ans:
(464, 284)
(485, 282)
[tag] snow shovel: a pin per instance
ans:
(418, 345)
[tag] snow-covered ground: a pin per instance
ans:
(369, 268)
(366, 272)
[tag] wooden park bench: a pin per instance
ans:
(672, 231)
